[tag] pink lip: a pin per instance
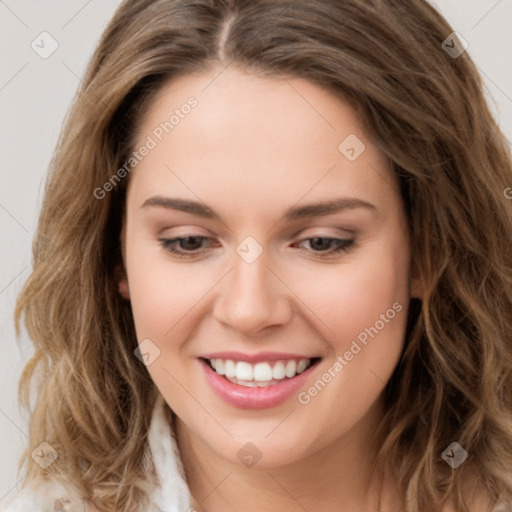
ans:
(255, 358)
(254, 398)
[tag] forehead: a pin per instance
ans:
(254, 139)
(235, 100)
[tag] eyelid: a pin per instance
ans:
(325, 233)
(184, 231)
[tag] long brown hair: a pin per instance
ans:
(425, 110)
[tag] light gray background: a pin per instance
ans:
(35, 94)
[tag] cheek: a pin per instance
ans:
(167, 298)
(163, 295)
(365, 305)
(348, 298)
(161, 292)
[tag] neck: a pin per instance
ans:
(337, 477)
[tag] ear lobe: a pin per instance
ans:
(124, 289)
(120, 272)
(122, 282)
(416, 289)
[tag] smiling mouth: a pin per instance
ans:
(262, 374)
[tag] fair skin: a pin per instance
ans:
(253, 148)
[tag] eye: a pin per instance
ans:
(189, 245)
(325, 246)
(192, 246)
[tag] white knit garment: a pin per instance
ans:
(172, 495)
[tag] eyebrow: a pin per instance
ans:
(295, 213)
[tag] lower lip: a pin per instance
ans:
(244, 397)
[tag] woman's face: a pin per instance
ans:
(294, 254)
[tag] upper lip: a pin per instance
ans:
(256, 357)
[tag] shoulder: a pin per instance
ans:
(50, 496)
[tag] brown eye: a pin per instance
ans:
(323, 245)
(183, 247)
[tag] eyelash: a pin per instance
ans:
(343, 246)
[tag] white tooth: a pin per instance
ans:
(291, 369)
(279, 372)
(219, 366)
(248, 383)
(262, 372)
(243, 371)
(264, 384)
(302, 365)
(251, 383)
(212, 362)
(229, 368)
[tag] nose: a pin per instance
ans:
(252, 298)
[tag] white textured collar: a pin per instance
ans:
(172, 495)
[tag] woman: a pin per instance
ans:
(277, 273)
